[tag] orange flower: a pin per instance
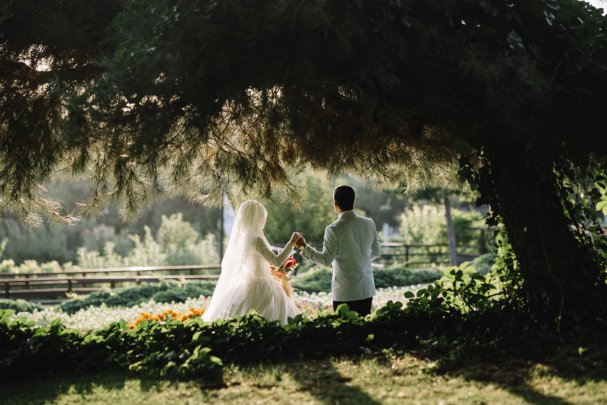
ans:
(176, 315)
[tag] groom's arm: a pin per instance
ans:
(329, 249)
(375, 246)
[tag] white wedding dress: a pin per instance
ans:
(246, 282)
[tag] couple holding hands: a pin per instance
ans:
(246, 283)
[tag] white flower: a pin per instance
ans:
(102, 316)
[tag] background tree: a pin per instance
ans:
(315, 209)
(444, 196)
(202, 94)
(61, 242)
(314, 213)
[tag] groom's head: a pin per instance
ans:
(344, 198)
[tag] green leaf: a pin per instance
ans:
(216, 360)
(7, 313)
(142, 325)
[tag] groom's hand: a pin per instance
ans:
(301, 243)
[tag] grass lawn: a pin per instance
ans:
(535, 375)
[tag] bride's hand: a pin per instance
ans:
(295, 237)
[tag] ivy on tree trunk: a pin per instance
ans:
(563, 281)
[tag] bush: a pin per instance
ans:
(43, 243)
(422, 224)
(483, 263)
(314, 280)
(396, 275)
(96, 238)
(20, 305)
(176, 237)
(176, 243)
(426, 224)
(30, 266)
(196, 349)
(131, 296)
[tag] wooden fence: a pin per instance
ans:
(423, 255)
(55, 285)
(415, 254)
(85, 281)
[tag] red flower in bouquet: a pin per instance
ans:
(290, 263)
(286, 267)
(281, 274)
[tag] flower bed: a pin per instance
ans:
(102, 316)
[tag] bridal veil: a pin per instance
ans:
(238, 260)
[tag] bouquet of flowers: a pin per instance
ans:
(282, 274)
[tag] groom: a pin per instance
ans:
(350, 244)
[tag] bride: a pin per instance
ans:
(246, 282)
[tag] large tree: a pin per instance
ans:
(212, 93)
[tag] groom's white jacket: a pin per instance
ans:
(350, 244)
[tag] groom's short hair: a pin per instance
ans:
(344, 197)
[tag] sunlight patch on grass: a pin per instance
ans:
(391, 379)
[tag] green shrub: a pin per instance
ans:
(176, 243)
(7, 266)
(426, 224)
(131, 296)
(185, 291)
(461, 291)
(314, 280)
(43, 243)
(422, 224)
(73, 305)
(20, 305)
(177, 238)
(196, 349)
(483, 263)
(396, 275)
(29, 266)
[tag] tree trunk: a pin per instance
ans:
(561, 276)
(450, 231)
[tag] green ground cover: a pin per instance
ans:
(539, 373)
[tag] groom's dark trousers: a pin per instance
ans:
(363, 307)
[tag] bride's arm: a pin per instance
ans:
(276, 260)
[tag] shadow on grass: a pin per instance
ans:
(513, 367)
(47, 389)
(327, 385)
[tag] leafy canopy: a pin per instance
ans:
(194, 95)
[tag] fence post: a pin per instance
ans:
(7, 289)
(432, 253)
(407, 253)
(69, 285)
